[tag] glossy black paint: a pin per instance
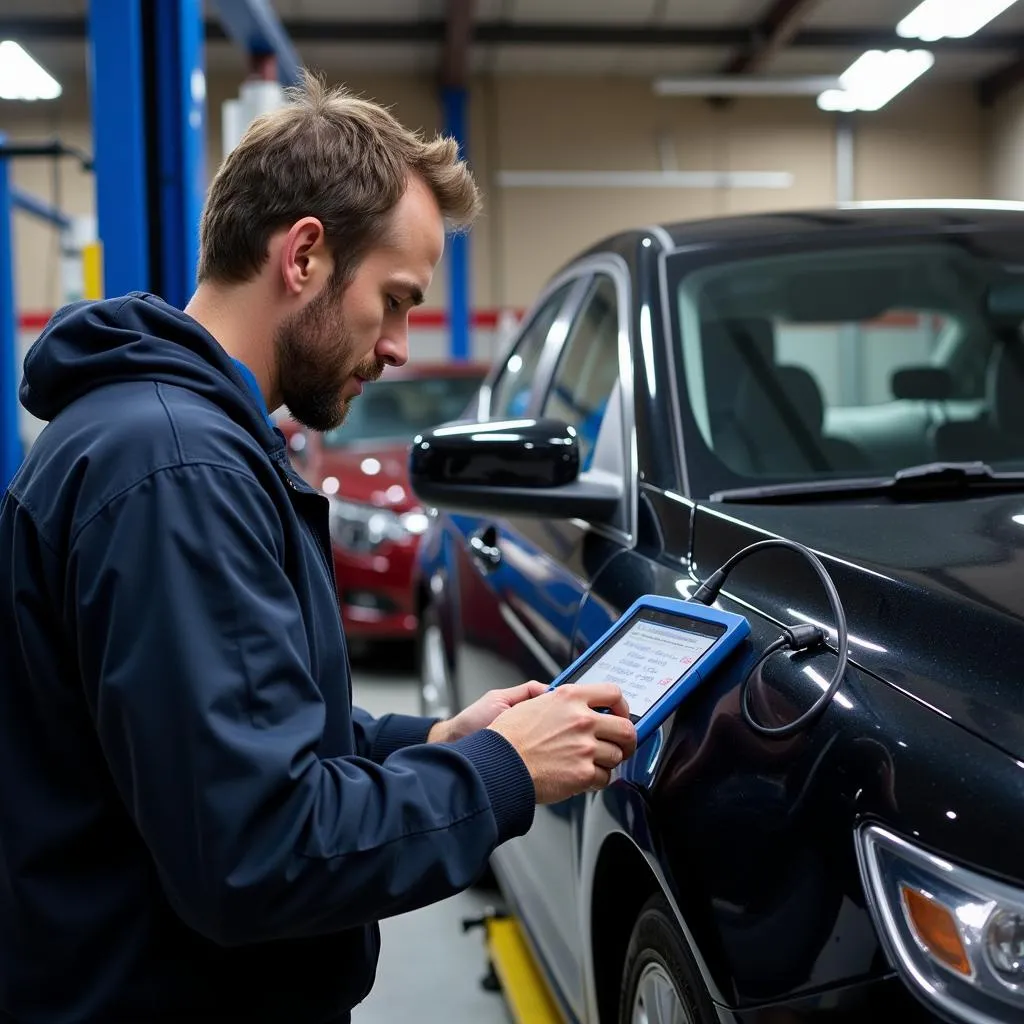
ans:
(520, 453)
(752, 839)
(528, 465)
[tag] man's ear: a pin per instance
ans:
(305, 260)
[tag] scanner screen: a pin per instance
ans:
(646, 660)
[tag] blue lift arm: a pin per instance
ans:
(22, 200)
(255, 28)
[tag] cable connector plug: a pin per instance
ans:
(803, 637)
(707, 593)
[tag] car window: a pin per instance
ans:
(588, 366)
(861, 360)
(511, 394)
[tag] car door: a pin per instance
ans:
(525, 579)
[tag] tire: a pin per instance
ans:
(437, 692)
(660, 980)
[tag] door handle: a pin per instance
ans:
(484, 546)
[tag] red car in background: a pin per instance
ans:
(376, 520)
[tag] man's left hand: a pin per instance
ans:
(480, 714)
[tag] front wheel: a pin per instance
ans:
(660, 980)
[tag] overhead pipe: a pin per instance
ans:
(745, 85)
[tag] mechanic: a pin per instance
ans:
(195, 822)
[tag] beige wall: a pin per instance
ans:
(1005, 155)
(928, 143)
(931, 142)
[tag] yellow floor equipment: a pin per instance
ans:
(523, 985)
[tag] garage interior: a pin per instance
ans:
(579, 118)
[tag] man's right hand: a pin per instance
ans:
(568, 746)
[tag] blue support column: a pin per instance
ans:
(117, 91)
(10, 440)
(181, 123)
(454, 102)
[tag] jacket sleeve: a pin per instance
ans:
(193, 656)
(377, 738)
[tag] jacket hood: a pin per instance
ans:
(90, 345)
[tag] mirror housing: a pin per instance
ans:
(523, 466)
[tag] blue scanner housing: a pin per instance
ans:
(655, 618)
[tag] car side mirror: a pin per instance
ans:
(523, 466)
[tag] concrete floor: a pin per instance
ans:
(429, 969)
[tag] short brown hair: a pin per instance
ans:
(326, 154)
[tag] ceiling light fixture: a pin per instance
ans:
(22, 77)
(874, 78)
(953, 19)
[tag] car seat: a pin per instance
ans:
(728, 348)
(780, 415)
(999, 433)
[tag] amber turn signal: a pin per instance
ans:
(936, 929)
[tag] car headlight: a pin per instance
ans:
(363, 528)
(956, 936)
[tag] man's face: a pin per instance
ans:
(347, 334)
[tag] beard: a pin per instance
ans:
(315, 353)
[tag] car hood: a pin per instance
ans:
(933, 593)
(372, 474)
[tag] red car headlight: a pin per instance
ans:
(364, 528)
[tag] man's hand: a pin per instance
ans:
(481, 713)
(568, 746)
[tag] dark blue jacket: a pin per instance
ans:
(195, 823)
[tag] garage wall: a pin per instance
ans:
(934, 141)
(1005, 145)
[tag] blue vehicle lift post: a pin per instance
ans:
(454, 98)
(148, 95)
(454, 102)
(10, 441)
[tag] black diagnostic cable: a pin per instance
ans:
(794, 638)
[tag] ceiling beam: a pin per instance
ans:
(458, 37)
(508, 33)
(774, 32)
(995, 86)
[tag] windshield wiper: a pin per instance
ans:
(924, 482)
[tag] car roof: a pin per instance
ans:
(925, 215)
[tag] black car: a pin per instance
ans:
(849, 379)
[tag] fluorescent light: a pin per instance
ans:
(955, 19)
(874, 78)
(22, 78)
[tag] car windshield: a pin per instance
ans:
(397, 410)
(853, 362)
